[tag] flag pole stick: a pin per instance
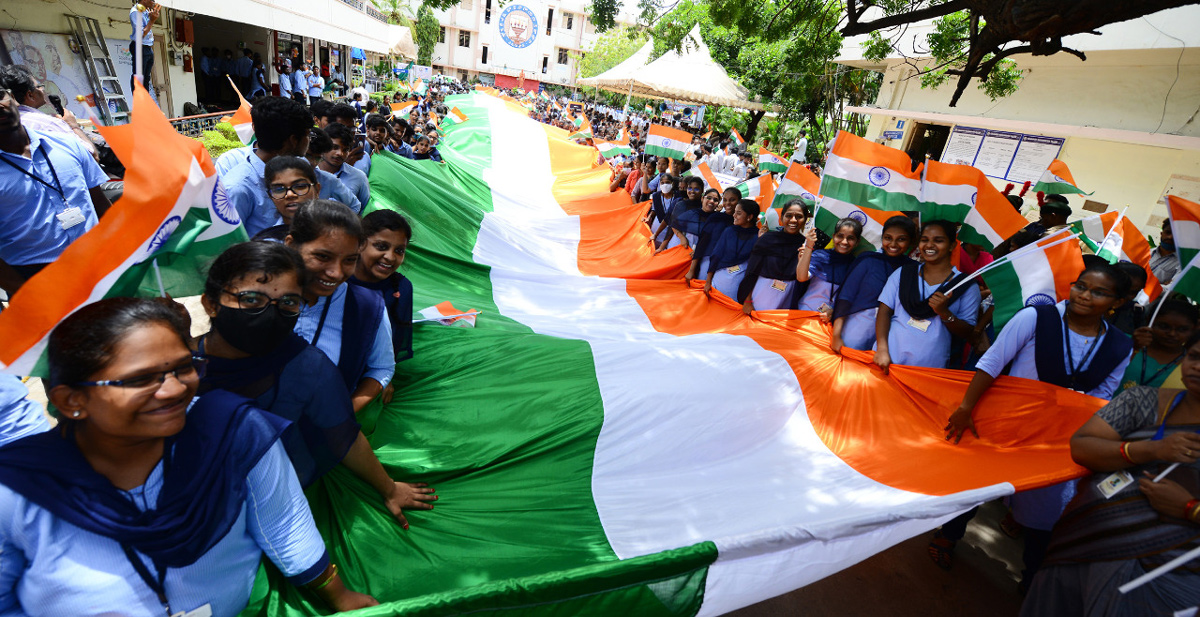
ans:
(445, 317)
(162, 290)
(1159, 571)
(137, 48)
(1167, 292)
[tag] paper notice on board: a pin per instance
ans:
(1033, 156)
(997, 152)
(963, 145)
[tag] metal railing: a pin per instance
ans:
(367, 8)
(193, 126)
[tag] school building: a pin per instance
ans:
(1125, 121)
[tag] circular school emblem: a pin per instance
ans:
(518, 26)
(879, 176)
(163, 234)
(858, 216)
(221, 205)
(1039, 300)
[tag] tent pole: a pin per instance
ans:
(628, 96)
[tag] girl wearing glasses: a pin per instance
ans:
(1160, 347)
(100, 517)
(770, 279)
(254, 296)
(1068, 344)
(291, 181)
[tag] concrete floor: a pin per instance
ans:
(904, 582)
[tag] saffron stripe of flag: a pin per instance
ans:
(963, 194)
(737, 137)
(1057, 180)
(242, 123)
(769, 161)
(705, 173)
(174, 211)
(1185, 226)
(1125, 243)
(456, 116)
(871, 175)
(798, 183)
(1033, 277)
(666, 141)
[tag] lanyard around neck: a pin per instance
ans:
(1166, 367)
(56, 187)
(1073, 369)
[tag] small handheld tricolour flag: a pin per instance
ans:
(583, 129)
(963, 194)
(704, 172)
(1057, 180)
(174, 212)
(1038, 275)
(769, 161)
(1115, 238)
(1185, 226)
(402, 110)
(456, 116)
(447, 315)
(243, 125)
(761, 189)
(860, 172)
(737, 137)
(668, 142)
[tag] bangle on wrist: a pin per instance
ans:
(1191, 510)
(332, 575)
(1125, 453)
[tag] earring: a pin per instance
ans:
(74, 414)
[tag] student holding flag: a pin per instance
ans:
(731, 255)
(825, 270)
(917, 317)
(1068, 344)
(710, 232)
(770, 279)
(856, 302)
(1160, 345)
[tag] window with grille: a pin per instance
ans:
(464, 38)
(562, 56)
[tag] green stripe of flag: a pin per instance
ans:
(1005, 284)
(503, 422)
(870, 196)
(657, 150)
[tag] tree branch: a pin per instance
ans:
(855, 27)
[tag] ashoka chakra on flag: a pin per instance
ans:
(879, 176)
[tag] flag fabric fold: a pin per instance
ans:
(242, 123)
(1057, 180)
(1185, 227)
(1040, 274)
(1114, 237)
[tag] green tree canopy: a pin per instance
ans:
(612, 48)
(425, 34)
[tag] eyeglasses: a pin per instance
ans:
(299, 189)
(255, 302)
(1095, 292)
(190, 371)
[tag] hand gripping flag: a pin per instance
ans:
(769, 161)
(171, 221)
(1057, 180)
(1185, 226)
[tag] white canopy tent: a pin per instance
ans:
(403, 44)
(691, 76)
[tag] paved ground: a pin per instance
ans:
(903, 582)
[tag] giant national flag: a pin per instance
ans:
(543, 426)
(666, 141)
(1123, 242)
(1057, 180)
(172, 220)
(963, 194)
(769, 161)
(1185, 226)
(1038, 274)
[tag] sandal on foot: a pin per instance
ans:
(941, 551)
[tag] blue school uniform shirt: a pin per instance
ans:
(335, 189)
(51, 567)
(356, 181)
(241, 171)
(133, 34)
(1017, 343)
(19, 416)
(908, 344)
(30, 231)
(364, 164)
(381, 362)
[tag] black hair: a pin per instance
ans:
(276, 119)
(1180, 307)
(318, 142)
(1122, 285)
(340, 132)
(1134, 272)
(693, 180)
(83, 343)
(734, 191)
(951, 229)
(711, 190)
(1192, 340)
(319, 108)
(280, 164)
(380, 220)
(403, 128)
(904, 223)
(750, 207)
(314, 218)
(1017, 201)
(341, 111)
(852, 224)
(795, 202)
(18, 79)
(420, 138)
(375, 121)
(270, 259)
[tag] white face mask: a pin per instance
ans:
(666, 188)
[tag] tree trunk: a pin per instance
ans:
(755, 118)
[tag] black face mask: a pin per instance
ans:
(255, 334)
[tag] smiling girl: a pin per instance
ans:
(731, 253)
(857, 301)
(825, 270)
(916, 315)
(290, 181)
(388, 234)
(771, 272)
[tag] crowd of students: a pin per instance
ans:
(309, 320)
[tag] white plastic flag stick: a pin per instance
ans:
(1159, 571)
(162, 290)
(1115, 231)
(1167, 292)
(1166, 471)
(445, 317)
(1054, 239)
(139, 27)
(1009, 258)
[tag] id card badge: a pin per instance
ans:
(1114, 483)
(824, 308)
(203, 611)
(734, 269)
(70, 217)
(779, 286)
(920, 324)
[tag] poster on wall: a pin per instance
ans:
(518, 29)
(963, 145)
(1015, 157)
(50, 59)
(1033, 157)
